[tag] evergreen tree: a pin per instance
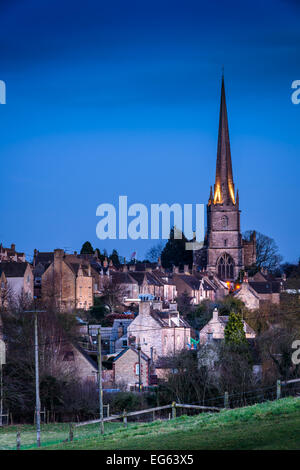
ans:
(87, 249)
(114, 257)
(174, 252)
(234, 330)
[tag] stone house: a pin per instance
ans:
(79, 362)
(127, 283)
(69, 282)
(215, 328)
(126, 368)
(16, 280)
(260, 288)
(198, 285)
(10, 254)
(159, 332)
(148, 283)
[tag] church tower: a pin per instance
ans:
(223, 251)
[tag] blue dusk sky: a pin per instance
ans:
(122, 98)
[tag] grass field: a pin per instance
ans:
(271, 425)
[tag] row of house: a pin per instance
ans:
(73, 280)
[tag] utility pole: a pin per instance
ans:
(100, 382)
(2, 362)
(37, 378)
(139, 354)
(1, 394)
(37, 383)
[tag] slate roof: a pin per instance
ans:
(149, 277)
(44, 257)
(120, 277)
(143, 355)
(267, 287)
(163, 319)
(224, 319)
(13, 268)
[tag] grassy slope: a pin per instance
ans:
(271, 425)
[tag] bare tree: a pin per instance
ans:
(267, 254)
(113, 294)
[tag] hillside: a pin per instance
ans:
(270, 425)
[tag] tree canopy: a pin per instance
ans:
(267, 253)
(175, 253)
(87, 249)
(234, 329)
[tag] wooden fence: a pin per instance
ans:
(172, 406)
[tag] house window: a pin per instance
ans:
(225, 242)
(137, 369)
(209, 337)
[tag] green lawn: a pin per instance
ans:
(271, 425)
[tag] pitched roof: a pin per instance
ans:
(267, 287)
(224, 319)
(120, 277)
(143, 355)
(192, 281)
(44, 257)
(169, 319)
(13, 268)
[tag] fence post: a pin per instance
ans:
(153, 415)
(71, 435)
(108, 410)
(173, 409)
(18, 440)
(226, 400)
(278, 391)
(125, 418)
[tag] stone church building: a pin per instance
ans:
(225, 252)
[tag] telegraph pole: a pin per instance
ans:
(37, 378)
(1, 393)
(2, 362)
(139, 353)
(100, 382)
(37, 383)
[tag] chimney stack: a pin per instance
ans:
(144, 307)
(215, 315)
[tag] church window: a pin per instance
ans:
(225, 242)
(225, 267)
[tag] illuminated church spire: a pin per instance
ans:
(224, 186)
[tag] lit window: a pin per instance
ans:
(137, 369)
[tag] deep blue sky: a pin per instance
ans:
(122, 98)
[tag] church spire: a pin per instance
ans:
(224, 186)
